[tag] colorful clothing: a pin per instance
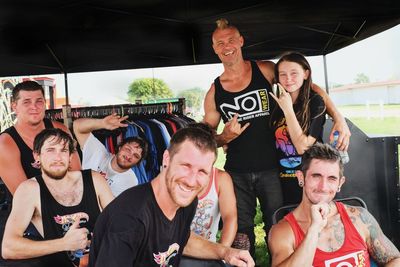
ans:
(206, 220)
(289, 158)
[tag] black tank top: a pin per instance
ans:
(254, 150)
(27, 160)
(58, 218)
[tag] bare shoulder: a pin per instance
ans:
(223, 175)
(361, 218)
(28, 188)
(267, 68)
(281, 233)
(7, 145)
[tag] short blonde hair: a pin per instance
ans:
(222, 24)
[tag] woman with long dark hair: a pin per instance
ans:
(298, 119)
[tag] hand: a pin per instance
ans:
(76, 238)
(233, 129)
(114, 121)
(285, 100)
(237, 257)
(344, 134)
(319, 215)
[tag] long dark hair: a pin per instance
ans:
(302, 102)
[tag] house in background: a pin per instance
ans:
(387, 92)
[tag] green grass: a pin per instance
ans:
(385, 126)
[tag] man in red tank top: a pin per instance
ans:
(321, 232)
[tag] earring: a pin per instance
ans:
(164, 166)
(301, 184)
(36, 164)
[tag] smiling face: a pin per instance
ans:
(54, 158)
(187, 173)
(227, 44)
(292, 76)
(129, 155)
(321, 181)
(30, 107)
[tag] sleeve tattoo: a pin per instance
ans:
(379, 246)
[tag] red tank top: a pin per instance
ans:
(353, 252)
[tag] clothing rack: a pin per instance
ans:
(154, 122)
(173, 107)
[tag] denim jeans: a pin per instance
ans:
(192, 262)
(265, 186)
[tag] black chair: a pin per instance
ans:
(284, 210)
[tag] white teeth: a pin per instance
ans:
(229, 53)
(184, 189)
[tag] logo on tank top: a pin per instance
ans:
(166, 259)
(249, 105)
(355, 259)
(36, 164)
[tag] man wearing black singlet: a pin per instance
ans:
(63, 206)
(240, 97)
(16, 159)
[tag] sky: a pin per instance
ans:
(378, 57)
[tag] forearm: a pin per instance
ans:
(304, 254)
(24, 248)
(228, 232)
(198, 247)
(393, 263)
(297, 136)
(87, 125)
(221, 139)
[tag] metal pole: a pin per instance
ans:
(326, 74)
(66, 88)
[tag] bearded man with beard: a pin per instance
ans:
(149, 224)
(63, 206)
(116, 168)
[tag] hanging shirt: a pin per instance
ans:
(57, 219)
(96, 157)
(353, 252)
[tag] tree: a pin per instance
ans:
(194, 97)
(361, 78)
(146, 89)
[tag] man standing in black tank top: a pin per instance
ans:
(63, 206)
(240, 98)
(16, 142)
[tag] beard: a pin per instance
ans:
(56, 175)
(123, 164)
(181, 202)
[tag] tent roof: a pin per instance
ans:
(53, 36)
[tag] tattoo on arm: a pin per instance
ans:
(379, 246)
